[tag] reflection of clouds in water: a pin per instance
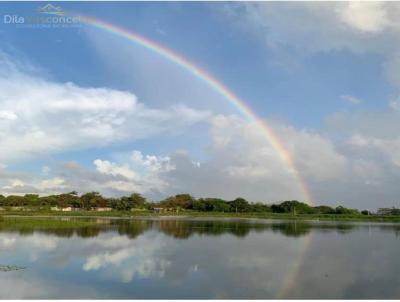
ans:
(102, 260)
(354, 266)
(33, 244)
(36, 241)
(221, 265)
(119, 256)
(146, 269)
(127, 258)
(18, 285)
(7, 242)
(253, 268)
(15, 287)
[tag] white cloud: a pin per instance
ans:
(40, 117)
(52, 183)
(390, 147)
(351, 99)
(365, 16)
(106, 167)
(243, 163)
(139, 174)
(8, 115)
(395, 104)
(151, 162)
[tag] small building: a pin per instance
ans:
(67, 209)
(384, 211)
(171, 209)
(174, 209)
(103, 209)
(138, 209)
(17, 208)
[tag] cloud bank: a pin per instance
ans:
(40, 116)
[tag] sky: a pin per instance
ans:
(84, 109)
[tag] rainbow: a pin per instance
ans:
(241, 107)
(213, 83)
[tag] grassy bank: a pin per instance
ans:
(7, 223)
(133, 214)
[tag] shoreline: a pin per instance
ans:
(186, 215)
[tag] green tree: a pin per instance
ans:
(31, 200)
(293, 206)
(15, 201)
(123, 204)
(137, 201)
(239, 205)
(184, 201)
(260, 207)
(324, 210)
(345, 211)
(91, 200)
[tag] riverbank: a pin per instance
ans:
(149, 214)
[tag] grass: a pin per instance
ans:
(131, 214)
(7, 223)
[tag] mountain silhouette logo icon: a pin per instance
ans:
(50, 10)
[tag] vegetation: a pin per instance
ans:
(85, 204)
(9, 268)
(19, 223)
(86, 201)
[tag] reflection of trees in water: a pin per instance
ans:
(131, 228)
(60, 228)
(389, 228)
(292, 229)
(185, 228)
(298, 229)
(86, 232)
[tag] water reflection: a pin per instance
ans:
(185, 228)
(199, 258)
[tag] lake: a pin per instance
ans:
(176, 258)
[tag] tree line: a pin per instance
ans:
(93, 200)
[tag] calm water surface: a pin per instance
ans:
(202, 258)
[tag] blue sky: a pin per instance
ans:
(316, 79)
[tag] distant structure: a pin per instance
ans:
(385, 211)
(158, 210)
(161, 210)
(103, 209)
(65, 209)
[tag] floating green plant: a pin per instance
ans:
(8, 268)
